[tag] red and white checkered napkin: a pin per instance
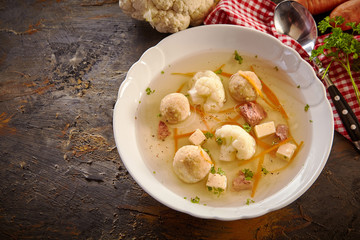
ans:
(259, 14)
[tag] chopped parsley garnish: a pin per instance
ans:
(238, 57)
(276, 68)
(218, 71)
(162, 72)
(219, 141)
(216, 191)
(248, 201)
(195, 200)
(306, 108)
(248, 174)
(208, 135)
(207, 151)
(246, 127)
(298, 86)
(149, 91)
(310, 121)
(159, 115)
(264, 170)
(219, 170)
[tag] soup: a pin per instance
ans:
(274, 172)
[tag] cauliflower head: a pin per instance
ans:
(207, 90)
(168, 16)
(236, 143)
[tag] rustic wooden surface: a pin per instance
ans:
(61, 64)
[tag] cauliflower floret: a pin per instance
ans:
(197, 17)
(191, 163)
(168, 16)
(135, 9)
(174, 107)
(241, 89)
(169, 21)
(207, 90)
(236, 143)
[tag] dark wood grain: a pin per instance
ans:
(61, 64)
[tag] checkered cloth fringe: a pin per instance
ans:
(259, 14)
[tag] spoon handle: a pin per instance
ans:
(347, 116)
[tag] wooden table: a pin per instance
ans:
(61, 64)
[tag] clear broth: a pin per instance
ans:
(158, 155)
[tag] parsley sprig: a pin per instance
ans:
(340, 46)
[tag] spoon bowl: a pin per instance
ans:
(294, 20)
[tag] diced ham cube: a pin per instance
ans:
(197, 138)
(252, 112)
(240, 183)
(282, 131)
(163, 131)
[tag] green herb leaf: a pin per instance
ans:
(248, 201)
(212, 169)
(208, 135)
(218, 71)
(248, 174)
(246, 127)
(149, 91)
(195, 200)
(340, 47)
(306, 108)
(238, 57)
(264, 170)
(207, 151)
(219, 141)
(218, 191)
(219, 170)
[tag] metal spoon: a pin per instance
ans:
(293, 19)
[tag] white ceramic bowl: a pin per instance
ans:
(319, 135)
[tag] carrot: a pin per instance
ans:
(273, 98)
(320, 6)
(350, 11)
(181, 87)
(183, 135)
(225, 74)
(257, 175)
(190, 74)
(219, 68)
(175, 139)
